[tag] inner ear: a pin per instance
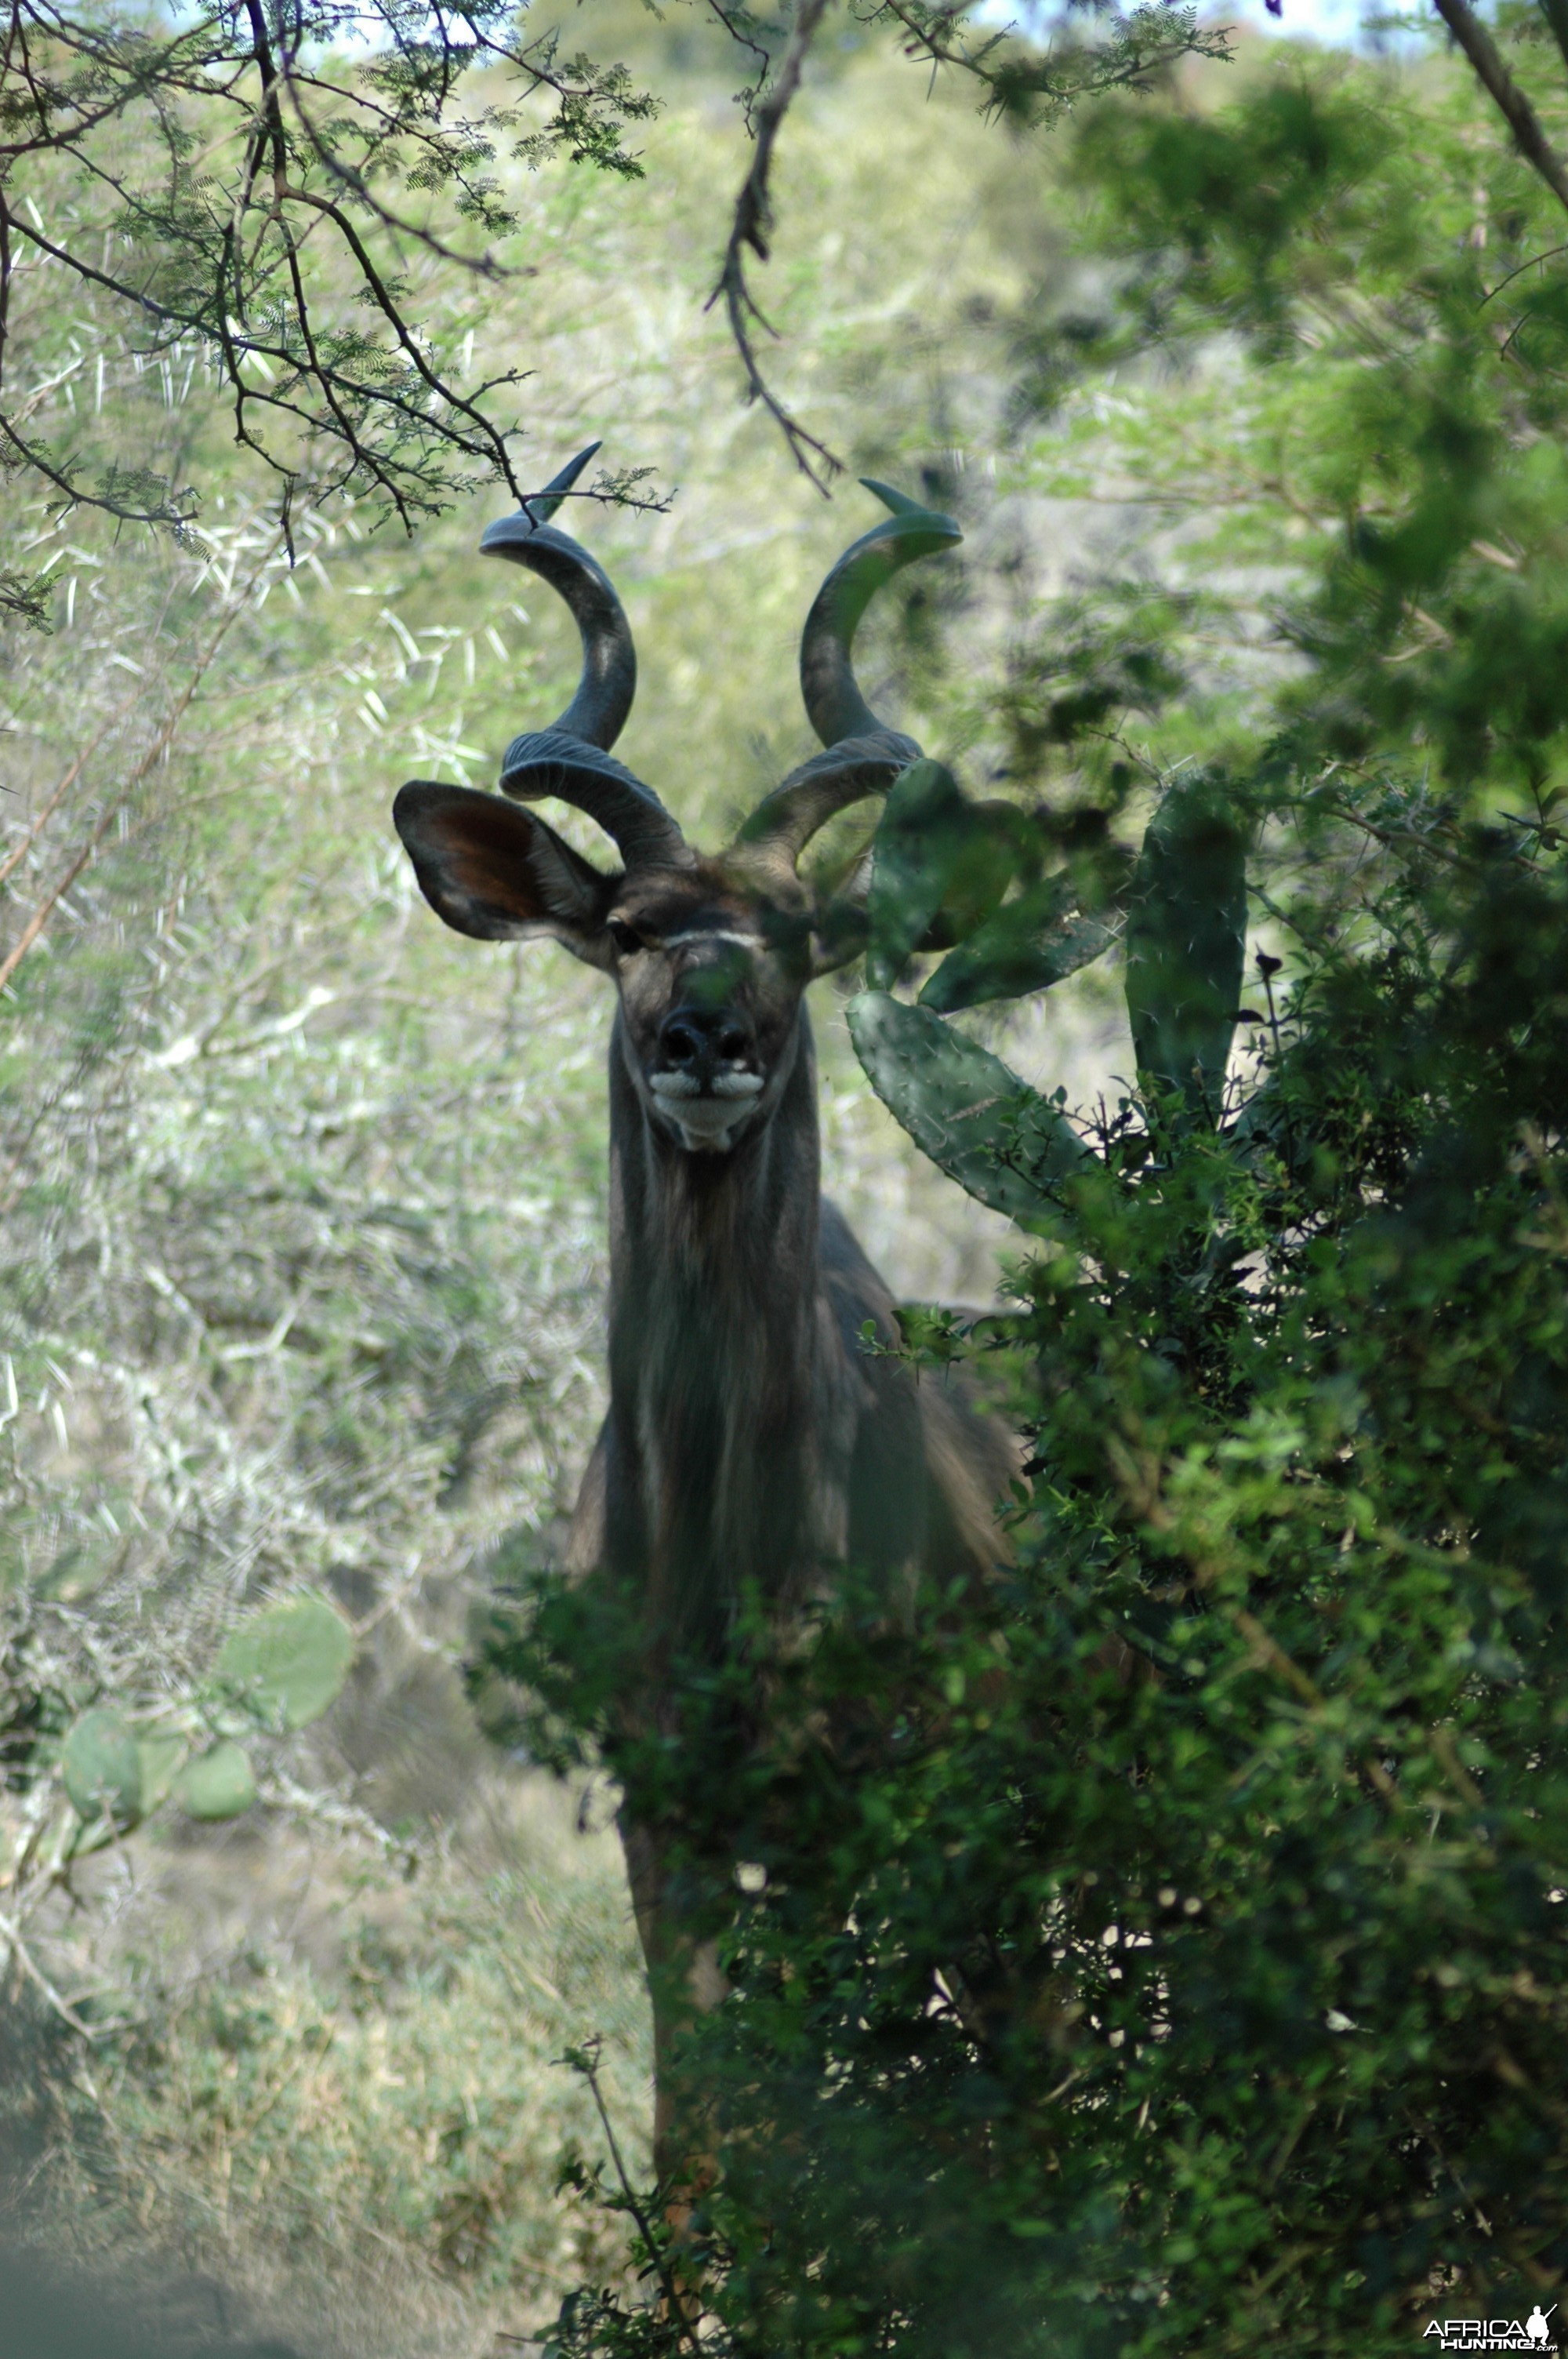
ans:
(498, 873)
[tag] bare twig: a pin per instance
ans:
(1518, 270)
(678, 2303)
(752, 227)
(11, 1938)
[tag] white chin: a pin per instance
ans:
(703, 1126)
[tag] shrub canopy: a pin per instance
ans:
(1164, 1951)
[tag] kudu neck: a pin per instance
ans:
(720, 1377)
(727, 1240)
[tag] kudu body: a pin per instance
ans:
(751, 1438)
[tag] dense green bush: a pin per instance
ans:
(1164, 1952)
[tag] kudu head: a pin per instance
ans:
(710, 956)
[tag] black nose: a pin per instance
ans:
(690, 1037)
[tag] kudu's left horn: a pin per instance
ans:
(571, 759)
(863, 756)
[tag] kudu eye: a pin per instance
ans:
(625, 938)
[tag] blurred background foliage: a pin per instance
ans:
(303, 1210)
(1162, 1953)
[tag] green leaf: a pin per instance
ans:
(1027, 945)
(987, 1129)
(288, 1663)
(219, 1784)
(101, 1768)
(1187, 931)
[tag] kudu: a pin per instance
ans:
(751, 1438)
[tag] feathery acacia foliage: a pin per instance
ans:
(222, 184)
(243, 191)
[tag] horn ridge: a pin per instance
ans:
(863, 756)
(784, 821)
(555, 762)
(571, 757)
(598, 713)
(834, 703)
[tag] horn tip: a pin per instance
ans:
(550, 498)
(899, 504)
(507, 531)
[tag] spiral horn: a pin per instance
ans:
(863, 757)
(571, 759)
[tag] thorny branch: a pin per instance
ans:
(1018, 81)
(250, 156)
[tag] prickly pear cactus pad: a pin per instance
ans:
(287, 1663)
(1026, 945)
(938, 857)
(962, 1106)
(1185, 936)
(160, 1752)
(1187, 930)
(103, 1768)
(219, 1784)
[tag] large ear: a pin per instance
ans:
(499, 872)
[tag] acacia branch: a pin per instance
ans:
(492, 441)
(482, 265)
(752, 227)
(33, 454)
(486, 442)
(375, 400)
(1511, 101)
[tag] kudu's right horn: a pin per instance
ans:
(571, 759)
(863, 756)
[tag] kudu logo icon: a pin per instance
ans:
(1531, 2334)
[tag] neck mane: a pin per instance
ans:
(721, 1355)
